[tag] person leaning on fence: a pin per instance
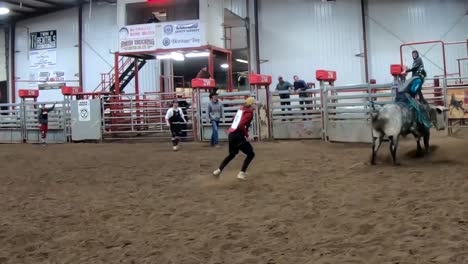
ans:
(282, 87)
(175, 120)
(43, 119)
(214, 113)
(238, 135)
(300, 86)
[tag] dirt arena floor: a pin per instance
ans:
(305, 202)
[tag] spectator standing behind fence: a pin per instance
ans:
(175, 120)
(203, 73)
(214, 113)
(283, 86)
(43, 119)
(300, 86)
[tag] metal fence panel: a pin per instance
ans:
(296, 115)
(133, 116)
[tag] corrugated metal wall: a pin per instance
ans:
(393, 22)
(104, 38)
(66, 24)
(99, 40)
(305, 36)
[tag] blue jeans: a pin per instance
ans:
(214, 132)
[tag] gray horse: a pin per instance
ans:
(398, 119)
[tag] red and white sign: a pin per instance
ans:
(203, 83)
(27, 93)
(326, 76)
(260, 79)
(70, 90)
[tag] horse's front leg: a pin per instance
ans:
(376, 142)
(393, 148)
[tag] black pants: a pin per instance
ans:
(176, 132)
(237, 142)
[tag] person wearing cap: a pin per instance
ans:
(214, 113)
(203, 73)
(175, 120)
(238, 135)
(43, 119)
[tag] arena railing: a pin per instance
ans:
(299, 116)
(129, 116)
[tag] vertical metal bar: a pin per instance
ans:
(80, 43)
(211, 63)
(137, 87)
(13, 60)
(229, 61)
(364, 36)
(131, 113)
(116, 74)
(268, 114)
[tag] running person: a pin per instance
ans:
(238, 134)
(175, 120)
(43, 119)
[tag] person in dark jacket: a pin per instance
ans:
(175, 119)
(43, 119)
(300, 86)
(417, 79)
(284, 86)
(203, 73)
(238, 135)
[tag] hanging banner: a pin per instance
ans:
(137, 38)
(43, 40)
(182, 34)
(167, 35)
(84, 111)
(458, 103)
(39, 59)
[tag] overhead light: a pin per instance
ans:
(4, 10)
(177, 56)
(224, 65)
(243, 61)
(174, 55)
(164, 57)
(197, 54)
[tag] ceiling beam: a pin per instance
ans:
(24, 5)
(53, 3)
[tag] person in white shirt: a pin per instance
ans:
(175, 119)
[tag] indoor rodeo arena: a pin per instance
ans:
(233, 132)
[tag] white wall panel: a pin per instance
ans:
(299, 37)
(66, 24)
(212, 15)
(238, 7)
(100, 38)
(393, 22)
(3, 57)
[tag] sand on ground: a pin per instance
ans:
(305, 202)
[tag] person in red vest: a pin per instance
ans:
(238, 135)
(43, 119)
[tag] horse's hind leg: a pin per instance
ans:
(376, 142)
(393, 148)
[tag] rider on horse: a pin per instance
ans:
(413, 89)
